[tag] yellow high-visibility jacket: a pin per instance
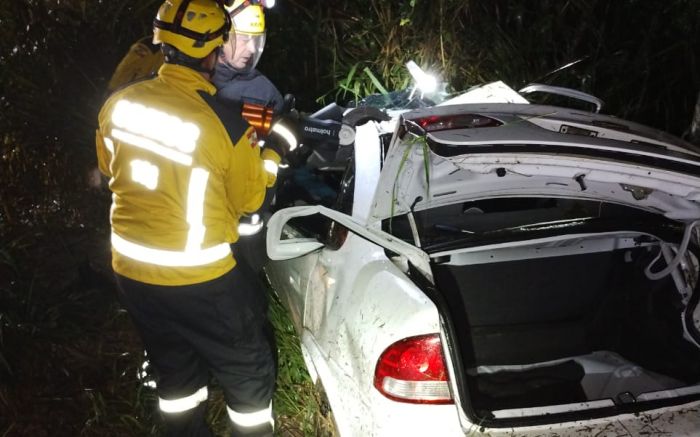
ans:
(182, 170)
(142, 61)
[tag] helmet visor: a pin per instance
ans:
(243, 51)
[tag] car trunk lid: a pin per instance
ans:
(496, 150)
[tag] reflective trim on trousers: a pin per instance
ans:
(170, 258)
(183, 404)
(255, 418)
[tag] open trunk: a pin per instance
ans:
(550, 312)
(569, 329)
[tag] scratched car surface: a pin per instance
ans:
(501, 269)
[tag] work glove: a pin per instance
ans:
(283, 136)
(288, 104)
(249, 225)
(271, 161)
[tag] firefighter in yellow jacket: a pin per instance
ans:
(182, 170)
(142, 61)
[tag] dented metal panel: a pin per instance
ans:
(351, 303)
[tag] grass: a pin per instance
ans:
(295, 402)
(69, 354)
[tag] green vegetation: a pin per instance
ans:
(296, 401)
(641, 57)
(68, 354)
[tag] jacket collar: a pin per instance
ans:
(226, 73)
(185, 78)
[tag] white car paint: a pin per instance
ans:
(350, 304)
(672, 192)
(494, 92)
(344, 333)
(368, 165)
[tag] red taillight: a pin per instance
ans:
(413, 370)
(461, 121)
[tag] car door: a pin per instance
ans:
(290, 277)
(308, 277)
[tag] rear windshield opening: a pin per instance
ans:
(483, 221)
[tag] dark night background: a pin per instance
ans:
(67, 355)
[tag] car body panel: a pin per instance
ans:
(368, 165)
(351, 302)
(342, 331)
(515, 115)
(345, 333)
(470, 172)
(494, 92)
(680, 421)
(475, 176)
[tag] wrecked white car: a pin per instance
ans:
(501, 269)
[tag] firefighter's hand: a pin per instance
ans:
(283, 137)
(271, 161)
(288, 104)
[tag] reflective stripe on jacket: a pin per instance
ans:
(182, 170)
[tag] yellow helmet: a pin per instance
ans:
(248, 16)
(193, 27)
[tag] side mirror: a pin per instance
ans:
(279, 248)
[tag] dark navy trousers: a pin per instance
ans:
(218, 328)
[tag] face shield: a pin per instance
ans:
(242, 51)
(247, 39)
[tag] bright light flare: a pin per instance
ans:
(427, 83)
